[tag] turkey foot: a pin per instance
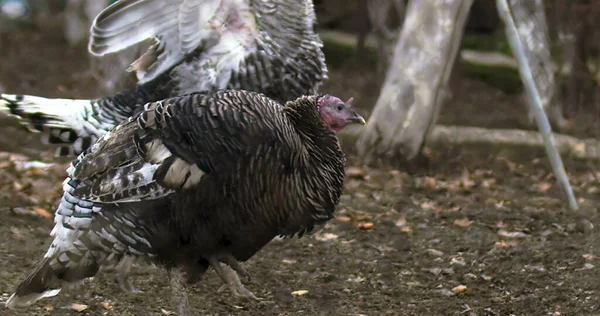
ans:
(231, 279)
(236, 266)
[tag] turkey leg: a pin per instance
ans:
(236, 266)
(231, 279)
(122, 275)
(178, 284)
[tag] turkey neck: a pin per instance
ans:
(324, 157)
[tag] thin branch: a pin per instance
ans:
(535, 101)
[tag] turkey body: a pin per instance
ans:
(266, 46)
(190, 182)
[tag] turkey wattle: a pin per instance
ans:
(266, 46)
(196, 181)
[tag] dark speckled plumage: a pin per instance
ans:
(253, 170)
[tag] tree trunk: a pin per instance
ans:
(416, 82)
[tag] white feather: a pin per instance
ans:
(60, 113)
(183, 174)
(15, 301)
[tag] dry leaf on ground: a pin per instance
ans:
(106, 305)
(503, 233)
(505, 244)
(355, 172)
(326, 236)
(42, 212)
(366, 226)
(299, 293)
(463, 222)
(459, 289)
(79, 307)
(401, 222)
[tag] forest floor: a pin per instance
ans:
(458, 236)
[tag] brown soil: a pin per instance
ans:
(404, 241)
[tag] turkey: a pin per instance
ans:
(196, 181)
(267, 46)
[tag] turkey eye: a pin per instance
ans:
(339, 107)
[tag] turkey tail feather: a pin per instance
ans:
(42, 282)
(62, 121)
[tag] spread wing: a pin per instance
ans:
(268, 46)
(178, 26)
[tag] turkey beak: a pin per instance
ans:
(357, 119)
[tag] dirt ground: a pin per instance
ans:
(459, 236)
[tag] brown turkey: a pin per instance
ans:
(193, 182)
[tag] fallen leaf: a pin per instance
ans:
(406, 229)
(458, 261)
(17, 186)
(506, 234)
(401, 222)
(459, 289)
(358, 279)
(466, 181)
(42, 212)
(360, 195)
(23, 211)
(504, 244)
(166, 312)
(428, 183)
(16, 233)
(435, 252)
(299, 293)
(355, 172)
(79, 307)
(359, 216)
(343, 219)
(488, 183)
(463, 222)
(427, 205)
(589, 256)
(106, 305)
(593, 190)
(543, 187)
(326, 236)
(366, 226)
